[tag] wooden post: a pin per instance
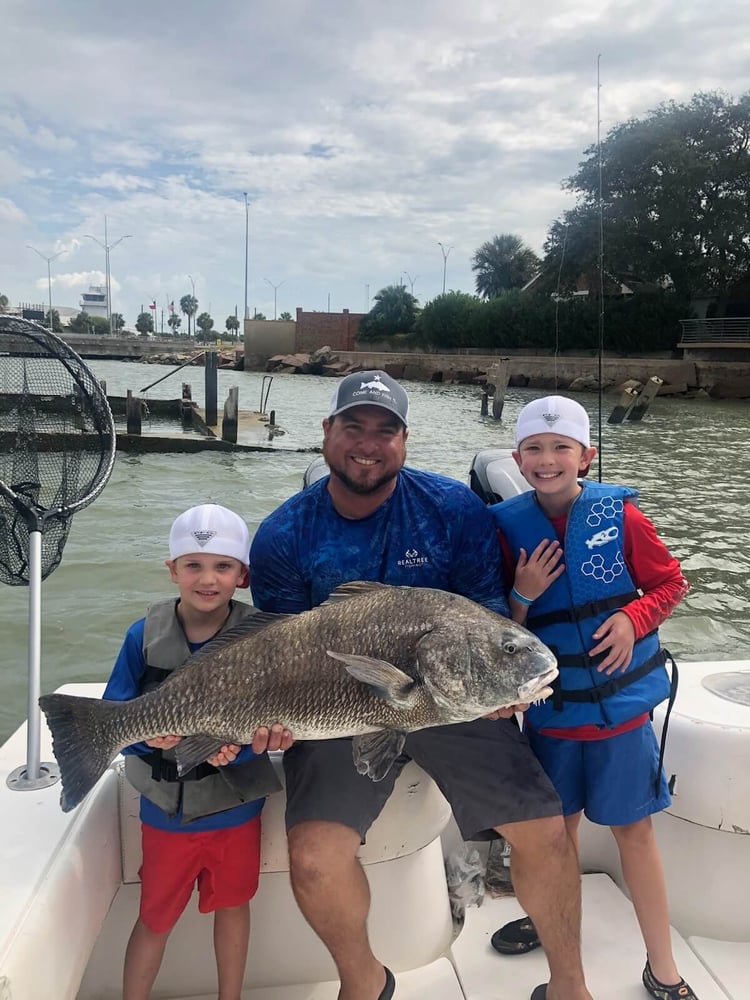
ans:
(186, 405)
(229, 423)
(212, 377)
(621, 410)
(497, 376)
(483, 407)
(271, 424)
(133, 413)
(645, 398)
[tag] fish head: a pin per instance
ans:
(473, 666)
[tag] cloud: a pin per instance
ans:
(362, 135)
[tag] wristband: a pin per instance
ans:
(520, 598)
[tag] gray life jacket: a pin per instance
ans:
(205, 789)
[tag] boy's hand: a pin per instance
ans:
(616, 634)
(535, 572)
(163, 742)
(275, 738)
(224, 756)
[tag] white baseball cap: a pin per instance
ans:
(212, 529)
(554, 415)
(373, 388)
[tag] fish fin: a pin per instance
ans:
(354, 589)
(381, 677)
(374, 753)
(248, 626)
(195, 750)
(81, 739)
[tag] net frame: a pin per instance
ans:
(32, 508)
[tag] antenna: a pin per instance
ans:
(601, 259)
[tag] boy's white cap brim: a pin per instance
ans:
(211, 529)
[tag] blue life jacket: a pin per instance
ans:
(595, 583)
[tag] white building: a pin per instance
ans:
(94, 301)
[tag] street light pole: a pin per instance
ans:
(445, 260)
(274, 293)
(190, 314)
(247, 235)
(411, 280)
(49, 274)
(107, 247)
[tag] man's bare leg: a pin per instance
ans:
(544, 867)
(332, 892)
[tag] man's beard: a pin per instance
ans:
(363, 489)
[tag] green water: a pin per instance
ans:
(689, 458)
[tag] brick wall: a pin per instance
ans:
(323, 329)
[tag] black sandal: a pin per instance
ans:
(662, 991)
(516, 938)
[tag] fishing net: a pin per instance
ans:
(57, 444)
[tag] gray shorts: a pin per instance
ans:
(485, 769)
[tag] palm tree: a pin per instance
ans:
(395, 311)
(232, 324)
(189, 305)
(174, 321)
(502, 263)
(3, 303)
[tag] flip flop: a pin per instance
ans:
(390, 985)
(516, 938)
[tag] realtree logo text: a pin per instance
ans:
(412, 558)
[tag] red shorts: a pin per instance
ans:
(225, 864)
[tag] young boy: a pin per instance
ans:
(203, 827)
(594, 581)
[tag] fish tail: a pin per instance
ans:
(81, 740)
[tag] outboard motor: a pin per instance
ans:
(494, 475)
(317, 469)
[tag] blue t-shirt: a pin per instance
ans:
(124, 684)
(431, 532)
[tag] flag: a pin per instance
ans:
(152, 305)
(171, 307)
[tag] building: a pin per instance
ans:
(94, 301)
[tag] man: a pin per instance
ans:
(375, 519)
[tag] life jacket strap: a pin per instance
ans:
(598, 694)
(581, 611)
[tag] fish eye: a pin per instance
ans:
(509, 647)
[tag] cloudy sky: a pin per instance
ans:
(364, 133)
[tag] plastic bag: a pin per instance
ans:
(464, 874)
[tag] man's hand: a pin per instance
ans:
(506, 713)
(163, 742)
(275, 738)
(616, 634)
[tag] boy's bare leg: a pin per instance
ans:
(544, 867)
(231, 938)
(332, 892)
(644, 876)
(143, 958)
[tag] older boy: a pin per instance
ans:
(599, 610)
(197, 828)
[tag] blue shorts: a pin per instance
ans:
(611, 780)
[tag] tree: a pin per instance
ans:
(56, 325)
(395, 311)
(174, 322)
(257, 315)
(118, 322)
(206, 325)
(286, 316)
(232, 324)
(503, 263)
(189, 305)
(3, 303)
(673, 198)
(82, 323)
(144, 323)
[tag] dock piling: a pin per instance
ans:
(186, 405)
(231, 412)
(133, 413)
(212, 369)
(645, 398)
(621, 410)
(497, 382)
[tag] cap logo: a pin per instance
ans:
(551, 418)
(202, 537)
(375, 384)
